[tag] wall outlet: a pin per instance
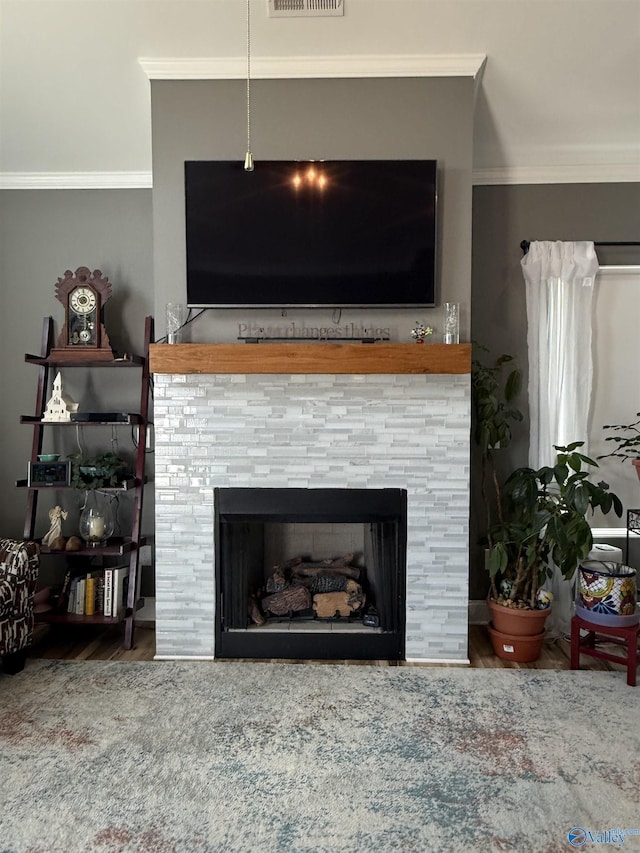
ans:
(146, 555)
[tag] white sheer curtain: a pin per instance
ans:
(559, 282)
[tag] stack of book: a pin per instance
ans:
(102, 591)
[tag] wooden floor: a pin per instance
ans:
(90, 643)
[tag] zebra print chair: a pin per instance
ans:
(19, 563)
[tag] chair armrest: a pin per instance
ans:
(19, 562)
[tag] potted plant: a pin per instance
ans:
(494, 388)
(105, 471)
(543, 523)
(627, 445)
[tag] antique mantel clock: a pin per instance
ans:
(83, 336)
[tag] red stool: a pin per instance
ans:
(623, 636)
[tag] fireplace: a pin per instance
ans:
(327, 547)
(312, 417)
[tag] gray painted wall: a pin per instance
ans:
(306, 119)
(502, 218)
(42, 234)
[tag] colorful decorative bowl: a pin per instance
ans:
(48, 457)
(608, 589)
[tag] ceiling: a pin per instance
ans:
(558, 98)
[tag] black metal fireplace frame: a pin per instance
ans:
(250, 505)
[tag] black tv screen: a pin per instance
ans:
(322, 233)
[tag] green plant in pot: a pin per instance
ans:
(544, 523)
(105, 471)
(626, 443)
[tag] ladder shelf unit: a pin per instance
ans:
(125, 548)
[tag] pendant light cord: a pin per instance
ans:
(248, 162)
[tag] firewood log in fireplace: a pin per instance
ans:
(255, 614)
(309, 570)
(329, 604)
(289, 600)
(326, 581)
(298, 565)
(277, 580)
(325, 576)
(344, 560)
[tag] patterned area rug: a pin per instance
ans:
(199, 757)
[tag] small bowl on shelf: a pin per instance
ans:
(48, 457)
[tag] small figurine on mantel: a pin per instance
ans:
(53, 537)
(421, 332)
(59, 406)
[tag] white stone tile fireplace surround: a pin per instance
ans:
(402, 420)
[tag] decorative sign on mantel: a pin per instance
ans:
(253, 332)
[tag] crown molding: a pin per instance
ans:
(307, 67)
(601, 173)
(75, 180)
(481, 177)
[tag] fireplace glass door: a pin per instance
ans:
(310, 573)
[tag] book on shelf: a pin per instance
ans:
(80, 592)
(108, 592)
(92, 592)
(99, 597)
(89, 596)
(71, 600)
(115, 591)
(120, 589)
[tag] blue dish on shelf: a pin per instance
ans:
(48, 457)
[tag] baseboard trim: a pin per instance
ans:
(184, 657)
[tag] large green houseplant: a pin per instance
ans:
(533, 519)
(544, 522)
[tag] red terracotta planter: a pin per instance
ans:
(517, 623)
(516, 648)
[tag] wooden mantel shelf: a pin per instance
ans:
(325, 358)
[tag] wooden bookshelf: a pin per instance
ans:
(125, 549)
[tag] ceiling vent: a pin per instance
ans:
(305, 8)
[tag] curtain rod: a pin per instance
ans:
(526, 243)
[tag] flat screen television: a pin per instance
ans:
(313, 234)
